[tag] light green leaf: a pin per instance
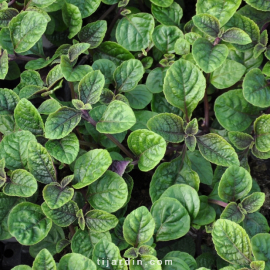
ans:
(40, 163)
(168, 15)
(256, 89)
(237, 36)
(233, 112)
(100, 221)
(139, 28)
(108, 193)
(162, 3)
(83, 242)
(30, 91)
(171, 218)
(40, 3)
(184, 86)
(27, 117)
(44, 261)
(3, 64)
(8, 101)
(262, 136)
(117, 118)
(60, 123)
(169, 126)
(253, 202)
(229, 73)
(28, 224)
(107, 68)
(164, 37)
(21, 184)
(223, 10)
(90, 166)
(155, 79)
(74, 261)
(138, 226)
(233, 213)
(235, 184)
(72, 18)
(148, 146)
(22, 267)
(26, 29)
(62, 216)
(231, 242)
(128, 74)
(182, 46)
(208, 56)
(259, 4)
(217, 150)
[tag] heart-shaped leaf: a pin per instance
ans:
(44, 260)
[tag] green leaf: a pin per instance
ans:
(171, 218)
(148, 146)
(62, 216)
(72, 18)
(90, 166)
(110, 252)
(108, 193)
(14, 149)
(155, 79)
(260, 248)
(74, 261)
(182, 46)
(208, 56)
(259, 4)
(235, 184)
(93, 33)
(8, 101)
(139, 28)
(3, 64)
(186, 195)
(40, 163)
(26, 29)
(138, 226)
(128, 74)
(187, 258)
(107, 68)
(262, 136)
(237, 36)
(162, 3)
(240, 140)
(223, 10)
(117, 118)
(28, 224)
(7, 124)
(90, 87)
(253, 202)
(49, 106)
(169, 126)
(217, 150)
(22, 267)
(233, 213)
(139, 97)
(27, 117)
(164, 37)
(114, 52)
(60, 123)
(44, 261)
(6, 15)
(83, 242)
(256, 89)
(207, 24)
(21, 184)
(231, 242)
(30, 91)
(168, 15)
(142, 118)
(233, 112)
(100, 221)
(184, 86)
(229, 73)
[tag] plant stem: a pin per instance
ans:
(217, 40)
(21, 57)
(265, 27)
(11, 2)
(108, 11)
(72, 230)
(90, 120)
(220, 203)
(71, 86)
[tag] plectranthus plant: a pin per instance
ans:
(129, 133)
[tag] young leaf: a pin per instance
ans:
(27, 117)
(262, 136)
(73, 261)
(235, 184)
(240, 140)
(237, 36)
(26, 29)
(207, 24)
(60, 123)
(44, 260)
(253, 202)
(184, 86)
(171, 218)
(139, 27)
(231, 242)
(108, 193)
(191, 142)
(138, 227)
(62, 216)
(148, 146)
(117, 118)
(233, 213)
(128, 74)
(28, 224)
(217, 150)
(208, 56)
